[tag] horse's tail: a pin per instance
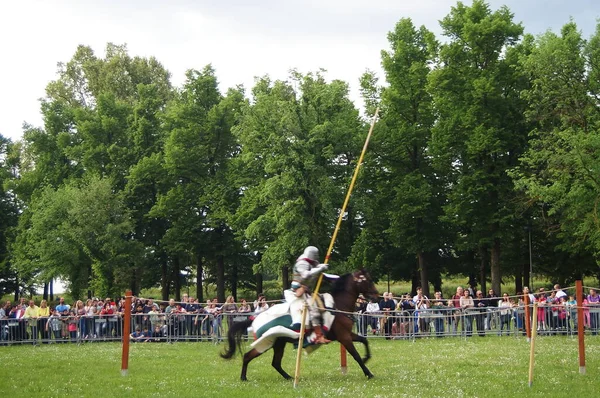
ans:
(234, 337)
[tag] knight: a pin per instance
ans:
(306, 271)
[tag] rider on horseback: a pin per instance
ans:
(306, 270)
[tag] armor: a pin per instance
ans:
(306, 270)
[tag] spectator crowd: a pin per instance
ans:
(391, 317)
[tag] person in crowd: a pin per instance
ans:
(229, 309)
(107, 313)
(244, 307)
(593, 304)
(492, 304)
(480, 304)
(261, 305)
(541, 310)
(387, 307)
(61, 307)
(137, 336)
(31, 314)
(559, 292)
(505, 308)
(361, 319)
(157, 334)
(191, 311)
(467, 305)
(217, 319)
(4, 323)
(72, 325)
(571, 309)
(53, 326)
(562, 315)
(530, 295)
(372, 313)
(421, 305)
(406, 307)
(43, 315)
(458, 319)
(439, 308)
(171, 312)
(552, 304)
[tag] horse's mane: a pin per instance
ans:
(339, 285)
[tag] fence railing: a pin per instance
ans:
(432, 322)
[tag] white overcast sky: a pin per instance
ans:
(240, 38)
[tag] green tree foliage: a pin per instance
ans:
(562, 167)
(8, 220)
(132, 183)
(409, 194)
(299, 140)
(480, 131)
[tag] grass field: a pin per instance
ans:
(448, 367)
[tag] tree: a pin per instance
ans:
(8, 221)
(480, 131)
(408, 190)
(561, 168)
(296, 148)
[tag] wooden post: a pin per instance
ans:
(343, 360)
(300, 344)
(532, 348)
(527, 319)
(580, 326)
(126, 331)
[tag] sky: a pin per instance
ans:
(242, 39)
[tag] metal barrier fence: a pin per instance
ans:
(160, 327)
(497, 321)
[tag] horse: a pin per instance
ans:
(345, 291)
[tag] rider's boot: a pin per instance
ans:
(320, 337)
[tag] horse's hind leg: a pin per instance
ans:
(249, 356)
(362, 339)
(278, 350)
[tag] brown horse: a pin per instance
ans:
(345, 291)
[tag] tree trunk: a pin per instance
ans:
(199, 272)
(220, 278)
(51, 290)
(518, 279)
(259, 283)
(526, 277)
(482, 276)
(495, 267)
(285, 277)
(176, 279)
(46, 291)
(423, 273)
(165, 282)
(234, 281)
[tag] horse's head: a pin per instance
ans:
(365, 284)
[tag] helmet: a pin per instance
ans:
(296, 285)
(311, 253)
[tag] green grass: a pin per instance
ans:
(448, 367)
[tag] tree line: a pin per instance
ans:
(486, 152)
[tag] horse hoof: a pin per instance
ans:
(243, 379)
(370, 376)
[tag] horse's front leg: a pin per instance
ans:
(347, 342)
(278, 350)
(362, 339)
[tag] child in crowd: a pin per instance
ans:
(137, 335)
(54, 325)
